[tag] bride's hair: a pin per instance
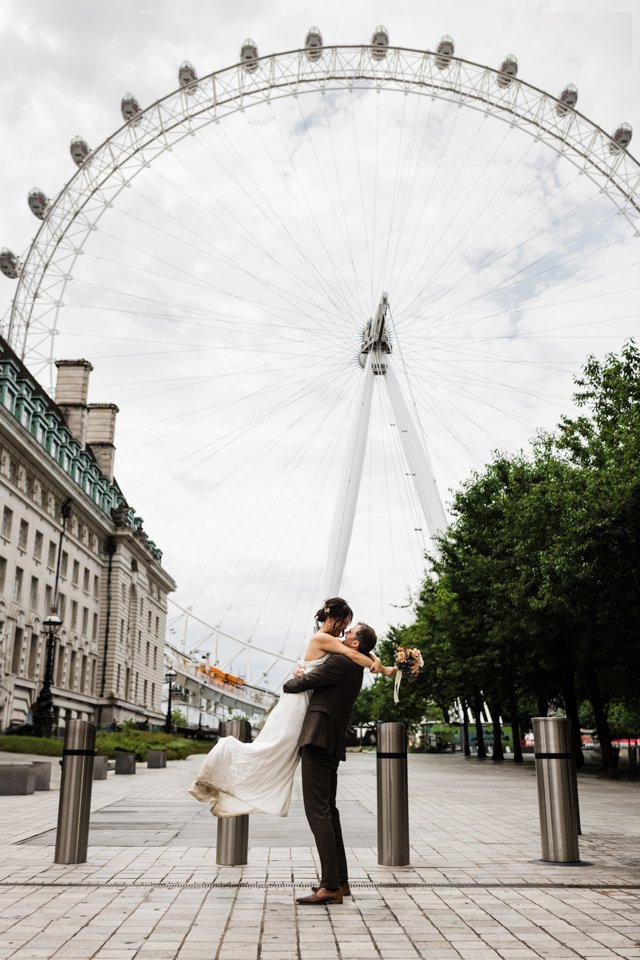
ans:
(334, 609)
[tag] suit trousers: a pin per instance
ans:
(319, 784)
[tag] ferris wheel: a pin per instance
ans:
(325, 283)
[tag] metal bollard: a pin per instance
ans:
(232, 844)
(557, 790)
(72, 836)
(393, 795)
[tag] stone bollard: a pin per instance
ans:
(72, 835)
(16, 779)
(557, 790)
(232, 845)
(42, 774)
(156, 759)
(125, 763)
(393, 795)
(100, 767)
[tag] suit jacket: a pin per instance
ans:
(334, 685)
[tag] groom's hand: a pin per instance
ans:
(299, 671)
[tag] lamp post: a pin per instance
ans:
(169, 676)
(43, 712)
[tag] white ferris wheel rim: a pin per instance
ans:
(74, 213)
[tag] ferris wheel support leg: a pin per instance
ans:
(345, 508)
(416, 456)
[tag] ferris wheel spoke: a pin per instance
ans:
(271, 212)
(433, 239)
(306, 391)
(323, 466)
(342, 286)
(229, 225)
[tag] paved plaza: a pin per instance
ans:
(151, 887)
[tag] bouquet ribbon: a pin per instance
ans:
(396, 686)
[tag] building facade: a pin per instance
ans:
(68, 539)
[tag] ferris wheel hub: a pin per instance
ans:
(375, 337)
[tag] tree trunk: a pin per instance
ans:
(515, 729)
(497, 753)
(571, 707)
(609, 755)
(477, 709)
(465, 730)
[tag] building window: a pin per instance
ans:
(51, 556)
(48, 599)
(85, 621)
(157, 625)
(13, 472)
(144, 693)
(85, 580)
(96, 587)
(33, 596)
(16, 661)
(3, 573)
(17, 585)
(155, 658)
(94, 632)
(64, 563)
(7, 520)
(153, 696)
(149, 621)
(83, 675)
(62, 605)
(146, 662)
(37, 545)
(33, 657)
(75, 576)
(72, 670)
(74, 615)
(23, 535)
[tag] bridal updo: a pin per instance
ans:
(335, 609)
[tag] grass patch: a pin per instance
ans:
(109, 744)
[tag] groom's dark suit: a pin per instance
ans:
(334, 685)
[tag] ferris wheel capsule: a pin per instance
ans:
(508, 70)
(313, 43)
(9, 263)
(621, 138)
(38, 203)
(130, 108)
(187, 77)
(79, 150)
(379, 43)
(444, 52)
(249, 55)
(567, 99)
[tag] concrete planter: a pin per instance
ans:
(156, 759)
(125, 763)
(16, 779)
(42, 774)
(100, 767)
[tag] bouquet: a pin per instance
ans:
(409, 662)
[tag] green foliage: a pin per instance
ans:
(140, 741)
(42, 746)
(534, 594)
(178, 718)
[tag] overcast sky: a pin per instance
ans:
(222, 297)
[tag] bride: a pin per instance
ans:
(238, 778)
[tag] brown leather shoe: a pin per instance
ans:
(321, 897)
(345, 889)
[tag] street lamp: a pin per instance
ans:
(169, 676)
(43, 712)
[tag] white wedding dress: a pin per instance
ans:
(238, 778)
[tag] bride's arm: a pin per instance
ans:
(328, 644)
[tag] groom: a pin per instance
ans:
(334, 685)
